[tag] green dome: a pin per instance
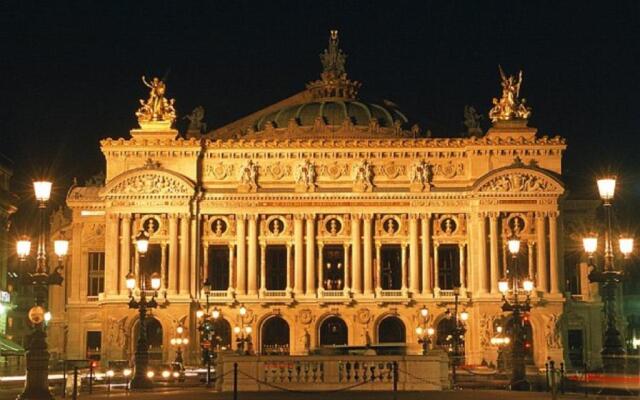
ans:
(333, 112)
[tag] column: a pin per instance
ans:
(298, 248)
(347, 268)
(463, 265)
(425, 225)
(241, 263)
(184, 254)
(125, 252)
(436, 283)
(403, 264)
(311, 255)
(205, 262)
(356, 260)
(367, 249)
(530, 259)
(378, 267)
(163, 266)
(482, 253)
(111, 255)
(231, 262)
(78, 257)
(553, 253)
(288, 267)
(541, 256)
(172, 286)
(263, 267)
(414, 275)
(495, 268)
(320, 266)
(252, 249)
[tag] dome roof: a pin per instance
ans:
(333, 112)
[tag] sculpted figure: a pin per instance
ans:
(195, 120)
(156, 107)
(249, 175)
(421, 175)
(509, 106)
(305, 175)
(364, 175)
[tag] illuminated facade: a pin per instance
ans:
(326, 218)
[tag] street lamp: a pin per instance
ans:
(612, 349)
(37, 380)
(178, 342)
(458, 333)
(243, 333)
(207, 326)
(141, 379)
(517, 307)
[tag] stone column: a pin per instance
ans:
(414, 275)
(231, 262)
(347, 268)
(367, 249)
(320, 266)
(530, 259)
(79, 258)
(252, 249)
(172, 286)
(378, 267)
(288, 267)
(482, 253)
(463, 265)
(541, 247)
(436, 283)
(356, 260)
(241, 263)
(111, 255)
(125, 252)
(311, 254)
(205, 262)
(493, 254)
(263, 267)
(554, 272)
(425, 225)
(298, 248)
(163, 266)
(184, 254)
(403, 265)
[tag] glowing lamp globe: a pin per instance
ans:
(180, 330)
(61, 247)
(607, 188)
(173, 341)
(590, 244)
(419, 331)
(430, 331)
(503, 286)
(23, 247)
(514, 246)
(243, 311)
(236, 330)
(527, 285)
(142, 242)
(42, 190)
(424, 311)
(185, 341)
(47, 316)
(215, 313)
(155, 281)
(199, 314)
(464, 316)
(130, 281)
(626, 246)
(248, 330)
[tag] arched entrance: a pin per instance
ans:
(527, 335)
(446, 340)
(154, 338)
(391, 330)
(275, 336)
(333, 332)
(222, 330)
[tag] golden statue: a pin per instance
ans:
(156, 107)
(509, 106)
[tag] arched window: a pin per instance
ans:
(391, 330)
(222, 330)
(275, 336)
(333, 332)
(154, 337)
(445, 338)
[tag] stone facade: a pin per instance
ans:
(271, 202)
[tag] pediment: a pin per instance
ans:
(148, 182)
(519, 180)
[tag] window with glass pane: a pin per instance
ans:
(391, 264)
(448, 266)
(333, 268)
(94, 344)
(151, 263)
(218, 269)
(276, 272)
(96, 274)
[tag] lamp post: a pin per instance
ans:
(609, 277)
(207, 326)
(243, 333)
(141, 379)
(517, 307)
(37, 380)
(458, 332)
(423, 333)
(178, 341)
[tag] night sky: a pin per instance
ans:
(70, 71)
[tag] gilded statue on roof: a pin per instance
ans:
(156, 107)
(509, 106)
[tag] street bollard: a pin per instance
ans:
(91, 377)
(75, 383)
(552, 378)
(395, 380)
(235, 381)
(546, 376)
(562, 378)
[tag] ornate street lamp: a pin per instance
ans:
(141, 379)
(37, 380)
(178, 342)
(459, 330)
(517, 306)
(609, 277)
(207, 325)
(243, 333)
(423, 333)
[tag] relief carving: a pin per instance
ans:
(248, 177)
(219, 171)
(150, 183)
(421, 175)
(305, 177)
(518, 182)
(363, 177)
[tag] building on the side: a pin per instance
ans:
(330, 221)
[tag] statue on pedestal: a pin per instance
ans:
(156, 108)
(509, 106)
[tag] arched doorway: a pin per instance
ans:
(153, 330)
(333, 332)
(391, 330)
(446, 340)
(527, 335)
(222, 330)
(275, 336)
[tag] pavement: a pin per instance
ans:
(202, 393)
